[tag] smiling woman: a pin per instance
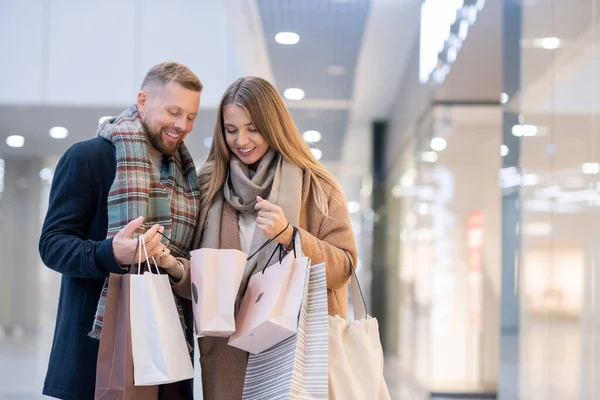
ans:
(242, 137)
(262, 182)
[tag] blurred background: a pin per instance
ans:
(464, 133)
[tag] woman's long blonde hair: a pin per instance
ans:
(271, 118)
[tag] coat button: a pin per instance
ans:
(88, 247)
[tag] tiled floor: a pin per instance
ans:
(23, 367)
(548, 355)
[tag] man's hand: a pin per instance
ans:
(124, 246)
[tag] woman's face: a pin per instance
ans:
(241, 136)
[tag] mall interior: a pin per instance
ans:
(465, 134)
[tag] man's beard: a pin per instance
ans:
(156, 140)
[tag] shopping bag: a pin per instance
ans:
(355, 353)
(114, 368)
(159, 348)
(271, 304)
(297, 367)
(216, 279)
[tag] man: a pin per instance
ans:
(136, 177)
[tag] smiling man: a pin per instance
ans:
(136, 177)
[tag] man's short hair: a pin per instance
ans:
(166, 72)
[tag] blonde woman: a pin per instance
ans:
(260, 181)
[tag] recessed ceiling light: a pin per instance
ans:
(524, 130)
(102, 119)
(208, 142)
(15, 141)
(294, 94)
(336, 70)
(548, 43)
(353, 207)
(590, 168)
(504, 150)
(287, 38)
(312, 136)
(429, 156)
(59, 132)
(438, 144)
(46, 174)
(317, 153)
(503, 98)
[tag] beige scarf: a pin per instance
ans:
(276, 180)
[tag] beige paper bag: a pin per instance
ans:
(271, 305)
(355, 353)
(216, 279)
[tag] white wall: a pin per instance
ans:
(72, 52)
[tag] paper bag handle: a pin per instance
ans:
(283, 251)
(268, 242)
(143, 245)
(359, 312)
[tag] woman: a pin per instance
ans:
(260, 180)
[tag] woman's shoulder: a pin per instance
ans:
(333, 192)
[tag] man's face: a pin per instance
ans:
(168, 114)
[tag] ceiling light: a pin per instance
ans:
(524, 130)
(530, 180)
(451, 54)
(102, 119)
(463, 28)
(548, 43)
(336, 70)
(407, 180)
(423, 209)
(59, 132)
(438, 144)
(208, 142)
(429, 156)
(287, 38)
(46, 174)
(312, 136)
(503, 98)
(353, 207)
(294, 94)
(15, 141)
(317, 153)
(590, 168)
(504, 150)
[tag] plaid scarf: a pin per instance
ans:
(171, 199)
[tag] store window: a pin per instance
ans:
(446, 182)
(559, 121)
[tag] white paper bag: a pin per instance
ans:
(271, 305)
(158, 344)
(297, 367)
(216, 279)
(355, 353)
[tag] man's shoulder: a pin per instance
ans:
(96, 147)
(97, 154)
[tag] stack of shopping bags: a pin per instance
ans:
(271, 304)
(297, 351)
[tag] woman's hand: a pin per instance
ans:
(170, 264)
(271, 221)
